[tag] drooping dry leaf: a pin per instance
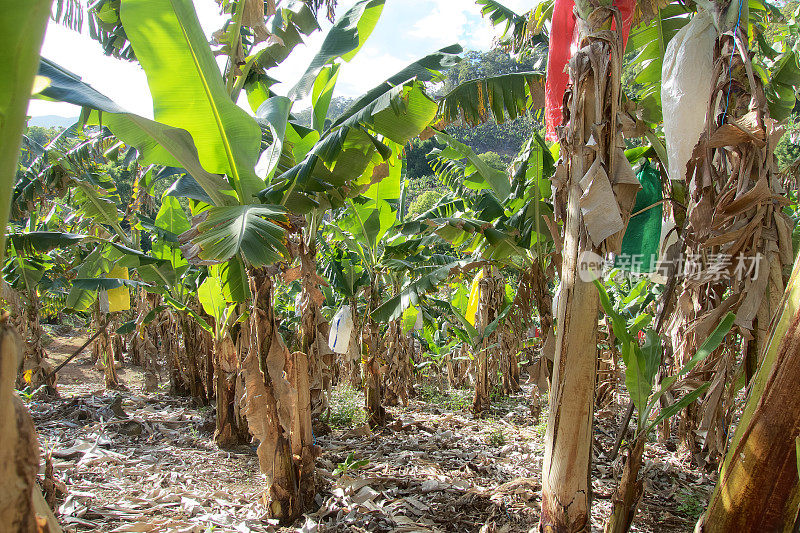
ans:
(601, 220)
(750, 199)
(254, 16)
(625, 182)
(260, 419)
(730, 135)
(783, 226)
(700, 215)
(291, 274)
(277, 362)
(754, 292)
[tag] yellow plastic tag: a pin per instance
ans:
(474, 297)
(119, 299)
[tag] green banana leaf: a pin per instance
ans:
(188, 90)
(503, 97)
(171, 218)
(43, 241)
(344, 40)
(157, 143)
(21, 32)
(255, 231)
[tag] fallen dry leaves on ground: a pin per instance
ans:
(135, 462)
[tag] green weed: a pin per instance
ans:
(690, 504)
(497, 438)
(350, 464)
(450, 399)
(346, 409)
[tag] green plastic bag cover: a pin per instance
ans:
(642, 237)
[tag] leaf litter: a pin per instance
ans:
(130, 462)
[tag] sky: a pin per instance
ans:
(407, 30)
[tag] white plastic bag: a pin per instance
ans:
(341, 327)
(686, 89)
(298, 301)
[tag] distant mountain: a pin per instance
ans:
(50, 121)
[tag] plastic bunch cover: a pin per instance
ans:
(563, 44)
(643, 235)
(341, 327)
(686, 89)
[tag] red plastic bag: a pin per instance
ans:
(564, 43)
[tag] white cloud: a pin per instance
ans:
(444, 24)
(407, 30)
(369, 68)
(450, 21)
(122, 81)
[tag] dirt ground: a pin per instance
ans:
(131, 461)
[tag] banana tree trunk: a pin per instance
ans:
(19, 448)
(629, 492)
(480, 398)
(138, 342)
(398, 355)
(354, 348)
(509, 348)
(107, 354)
(492, 292)
(149, 337)
(169, 346)
(277, 407)
(451, 375)
(544, 308)
(373, 367)
(227, 432)
(568, 442)
(35, 369)
(313, 343)
(735, 223)
(243, 346)
(192, 345)
(758, 488)
(595, 191)
(209, 363)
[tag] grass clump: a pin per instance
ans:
(450, 399)
(347, 407)
(497, 438)
(689, 504)
(541, 427)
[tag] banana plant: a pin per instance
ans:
(64, 183)
(212, 139)
(357, 153)
(35, 270)
(642, 362)
(361, 229)
(347, 278)
(212, 298)
(216, 138)
(492, 218)
(366, 228)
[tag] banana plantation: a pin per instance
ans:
(247, 310)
